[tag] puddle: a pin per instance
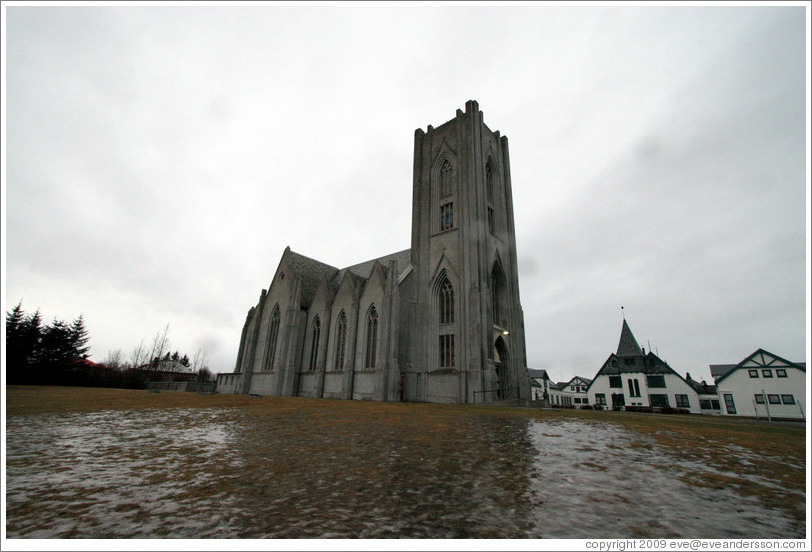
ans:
(228, 473)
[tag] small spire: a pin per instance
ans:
(622, 313)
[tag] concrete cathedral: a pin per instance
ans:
(439, 322)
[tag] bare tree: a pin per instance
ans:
(114, 360)
(200, 361)
(139, 355)
(159, 344)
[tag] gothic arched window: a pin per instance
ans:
(497, 295)
(341, 340)
(314, 347)
(446, 303)
(489, 181)
(372, 337)
(270, 350)
(446, 175)
(446, 320)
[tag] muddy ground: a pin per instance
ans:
(133, 464)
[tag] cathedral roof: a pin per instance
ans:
(403, 258)
(627, 346)
(311, 272)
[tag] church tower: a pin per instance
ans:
(466, 326)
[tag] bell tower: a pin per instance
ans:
(466, 323)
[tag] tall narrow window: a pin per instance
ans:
(446, 174)
(491, 223)
(730, 405)
(446, 351)
(446, 216)
(631, 388)
(270, 347)
(372, 337)
(497, 295)
(446, 303)
(314, 347)
(489, 181)
(341, 340)
(637, 388)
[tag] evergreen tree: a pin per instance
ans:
(79, 338)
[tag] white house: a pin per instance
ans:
(632, 377)
(571, 393)
(762, 385)
(539, 384)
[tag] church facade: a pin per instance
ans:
(439, 322)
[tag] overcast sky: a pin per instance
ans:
(159, 160)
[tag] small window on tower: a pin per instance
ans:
(491, 224)
(446, 216)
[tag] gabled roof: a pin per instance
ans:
(702, 388)
(627, 346)
(719, 370)
(311, 272)
(762, 359)
(538, 373)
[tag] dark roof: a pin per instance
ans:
(650, 364)
(719, 370)
(627, 346)
(311, 272)
(585, 380)
(538, 373)
(702, 387)
(560, 385)
(534, 383)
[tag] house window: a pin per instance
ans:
(774, 399)
(616, 382)
(600, 398)
(704, 404)
(767, 373)
(729, 404)
(585, 400)
(618, 399)
(577, 400)
(682, 401)
(634, 388)
(787, 399)
(341, 341)
(314, 346)
(753, 373)
(781, 373)
(656, 381)
(491, 224)
(614, 364)
(446, 173)
(372, 337)
(658, 400)
(270, 348)
(447, 351)
(628, 361)
(715, 404)
(446, 216)
(759, 398)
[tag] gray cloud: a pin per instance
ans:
(161, 158)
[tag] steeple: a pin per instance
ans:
(628, 344)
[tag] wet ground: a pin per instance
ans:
(233, 473)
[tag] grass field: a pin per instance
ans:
(760, 462)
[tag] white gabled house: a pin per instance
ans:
(539, 385)
(763, 385)
(571, 393)
(632, 377)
